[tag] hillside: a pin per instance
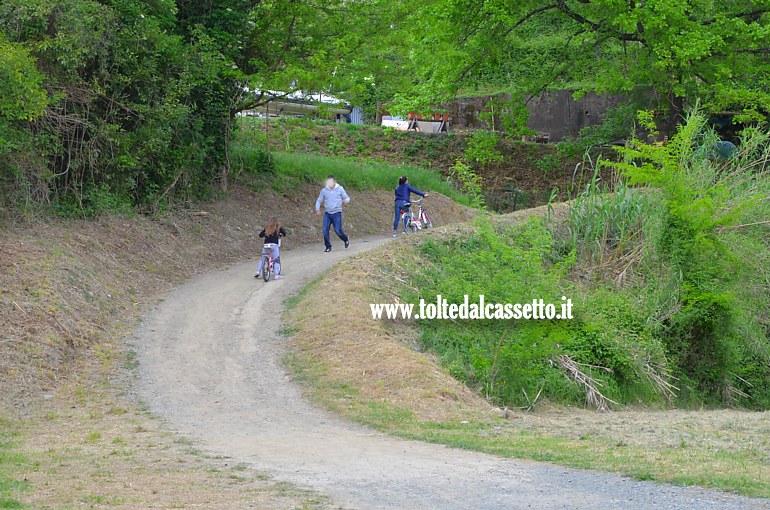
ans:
(68, 286)
(411, 388)
(71, 430)
(524, 175)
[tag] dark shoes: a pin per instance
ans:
(329, 248)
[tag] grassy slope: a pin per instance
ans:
(69, 434)
(71, 290)
(361, 174)
(532, 169)
(404, 392)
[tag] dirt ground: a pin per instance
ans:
(210, 363)
(70, 291)
(91, 447)
(65, 286)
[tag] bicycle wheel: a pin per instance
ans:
(266, 268)
(426, 223)
(407, 222)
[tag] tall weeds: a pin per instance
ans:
(669, 270)
(693, 228)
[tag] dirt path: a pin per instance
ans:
(210, 364)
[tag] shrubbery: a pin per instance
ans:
(108, 99)
(668, 274)
(513, 361)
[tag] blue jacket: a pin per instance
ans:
(403, 192)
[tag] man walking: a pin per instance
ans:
(332, 197)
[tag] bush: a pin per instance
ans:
(510, 115)
(617, 126)
(95, 201)
(548, 163)
(709, 333)
(513, 361)
(668, 274)
(469, 182)
(482, 149)
(255, 161)
(114, 98)
(609, 225)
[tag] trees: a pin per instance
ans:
(137, 98)
(22, 96)
(717, 51)
(121, 118)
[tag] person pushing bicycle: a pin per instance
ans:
(272, 233)
(404, 192)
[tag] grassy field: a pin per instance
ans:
(362, 174)
(290, 170)
(11, 464)
(94, 451)
(374, 373)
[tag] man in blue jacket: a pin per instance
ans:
(404, 192)
(332, 197)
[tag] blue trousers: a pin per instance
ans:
(336, 220)
(401, 205)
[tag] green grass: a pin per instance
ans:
(361, 174)
(292, 301)
(290, 170)
(742, 470)
(12, 464)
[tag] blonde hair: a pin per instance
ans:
(272, 226)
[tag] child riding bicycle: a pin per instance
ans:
(404, 192)
(272, 234)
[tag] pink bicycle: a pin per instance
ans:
(415, 221)
(268, 262)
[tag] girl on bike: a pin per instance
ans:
(272, 234)
(404, 192)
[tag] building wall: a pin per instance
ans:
(561, 116)
(555, 114)
(356, 115)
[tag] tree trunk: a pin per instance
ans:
(223, 181)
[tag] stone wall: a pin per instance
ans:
(556, 115)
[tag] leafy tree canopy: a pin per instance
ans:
(717, 51)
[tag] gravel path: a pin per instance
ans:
(210, 364)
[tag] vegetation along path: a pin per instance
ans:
(211, 365)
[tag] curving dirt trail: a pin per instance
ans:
(210, 365)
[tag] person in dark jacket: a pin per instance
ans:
(404, 192)
(272, 234)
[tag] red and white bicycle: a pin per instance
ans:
(415, 221)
